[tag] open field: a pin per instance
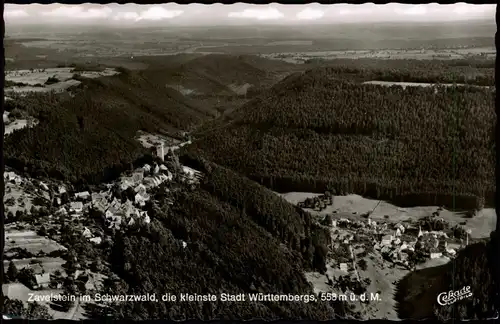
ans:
(21, 292)
(417, 84)
(22, 200)
(150, 140)
(56, 87)
(397, 54)
(48, 264)
(40, 76)
(137, 48)
(352, 206)
(18, 124)
(38, 80)
(30, 241)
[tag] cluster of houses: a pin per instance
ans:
(433, 244)
(394, 241)
(12, 177)
(110, 200)
(117, 213)
(318, 203)
(42, 279)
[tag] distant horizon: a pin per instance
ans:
(240, 14)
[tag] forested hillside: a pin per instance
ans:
(474, 266)
(471, 71)
(318, 131)
(89, 136)
(219, 75)
(230, 247)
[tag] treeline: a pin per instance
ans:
(90, 136)
(230, 247)
(318, 129)
(472, 71)
(474, 266)
(291, 225)
(400, 192)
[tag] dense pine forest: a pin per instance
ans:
(289, 132)
(468, 71)
(264, 247)
(317, 131)
(90, 136)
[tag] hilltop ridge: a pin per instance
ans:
(316, 131)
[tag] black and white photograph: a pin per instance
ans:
(249, 162)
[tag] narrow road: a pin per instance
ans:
(72, 313)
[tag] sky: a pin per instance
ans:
(241, 13)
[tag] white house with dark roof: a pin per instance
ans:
(83, 195)
(42, 280)
(87, 233)
(76, 206)
(436, 255)
(96, 240)
(387, 240)
(44, 186)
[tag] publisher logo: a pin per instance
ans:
(450, 297)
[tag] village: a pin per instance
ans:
(39, 212)
(368, 255)
(406, 243)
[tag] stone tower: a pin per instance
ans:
(160, 152)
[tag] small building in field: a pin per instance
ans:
(84, 195)
(436, 255)
(42, 280)
(96, 240)
(451, 251)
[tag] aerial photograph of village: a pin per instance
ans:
(301, 162)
